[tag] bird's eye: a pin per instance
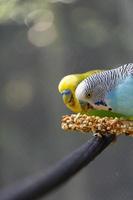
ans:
(88, 95)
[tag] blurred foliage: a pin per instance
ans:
(20, 9)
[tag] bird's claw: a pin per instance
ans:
(97, 135)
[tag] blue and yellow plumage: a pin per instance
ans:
(107, 92)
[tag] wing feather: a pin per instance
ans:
(121, 97)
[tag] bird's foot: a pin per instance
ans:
(103, 135)
(97, 135)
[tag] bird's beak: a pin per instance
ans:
(85, 106)
(67, 96)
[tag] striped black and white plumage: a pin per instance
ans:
(112, 87)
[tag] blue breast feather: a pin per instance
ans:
(121, 97)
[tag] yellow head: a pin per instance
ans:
(67, 87)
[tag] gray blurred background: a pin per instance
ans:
(40, 42)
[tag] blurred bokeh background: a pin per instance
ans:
(40, 42)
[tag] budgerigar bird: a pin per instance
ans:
(109, 89)
(67, 87)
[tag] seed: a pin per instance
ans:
(87, 123)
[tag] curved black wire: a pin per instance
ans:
(37, 186)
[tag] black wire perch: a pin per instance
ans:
(38, 186)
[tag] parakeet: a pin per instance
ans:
(67, 87)
(109, 90)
